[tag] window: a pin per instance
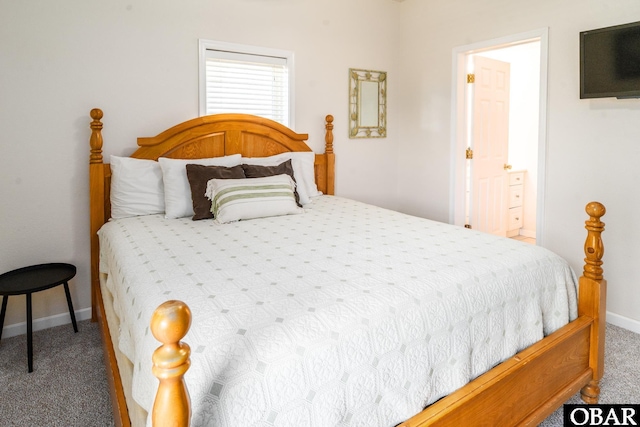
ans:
(245, 79)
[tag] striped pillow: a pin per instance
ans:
(236, 199)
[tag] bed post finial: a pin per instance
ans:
(593, 247)
(169, 324)
(96, 136)
(328, 138)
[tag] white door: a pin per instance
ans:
(489, 141)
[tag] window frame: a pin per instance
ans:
(204, 45)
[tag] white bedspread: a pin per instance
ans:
(347, 314)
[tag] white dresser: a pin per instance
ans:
(516, 196)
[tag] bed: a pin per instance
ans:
(294, 310)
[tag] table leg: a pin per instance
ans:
(73, 315)
(29, 334)
(2, 313)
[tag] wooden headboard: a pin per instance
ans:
(208, 136)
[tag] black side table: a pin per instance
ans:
(27, 280)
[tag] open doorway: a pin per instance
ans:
(522, 209)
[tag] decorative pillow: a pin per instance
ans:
(237, 199)
(136, 187)
(257, 171)
(303, 170)
(198, 176)
(177, 192)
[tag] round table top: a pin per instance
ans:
(35, 278)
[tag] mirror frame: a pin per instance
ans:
(356, 78)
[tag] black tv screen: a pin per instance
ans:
(610, 62)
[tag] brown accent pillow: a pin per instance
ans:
(258, 171)
(198, 176)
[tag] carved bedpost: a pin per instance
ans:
(328, 138)
(331, 157)
(169, 324)
(96, 202)
(592, 298)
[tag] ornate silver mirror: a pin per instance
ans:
(367, 104)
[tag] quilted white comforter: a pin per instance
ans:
(347, 314)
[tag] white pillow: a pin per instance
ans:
(248, 198)
(136, 187)
(302, 163)
(177, 192)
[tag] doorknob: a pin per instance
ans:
(507, 167)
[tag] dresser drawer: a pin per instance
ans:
(515, 195)
(516, 178)
(515, 218)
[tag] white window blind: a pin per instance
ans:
(238, 82)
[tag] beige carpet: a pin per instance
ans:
(68, 386)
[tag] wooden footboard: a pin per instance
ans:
(116, 391)
(523, 390)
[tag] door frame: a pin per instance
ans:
(459, 122)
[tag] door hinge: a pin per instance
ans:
(471, 78)
(467, 226)
(469, 153)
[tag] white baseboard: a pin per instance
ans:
(45, 323)
(623, 322)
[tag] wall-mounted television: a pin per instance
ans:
(610, 62)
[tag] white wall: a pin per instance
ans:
(592, 145)
(137, 60)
